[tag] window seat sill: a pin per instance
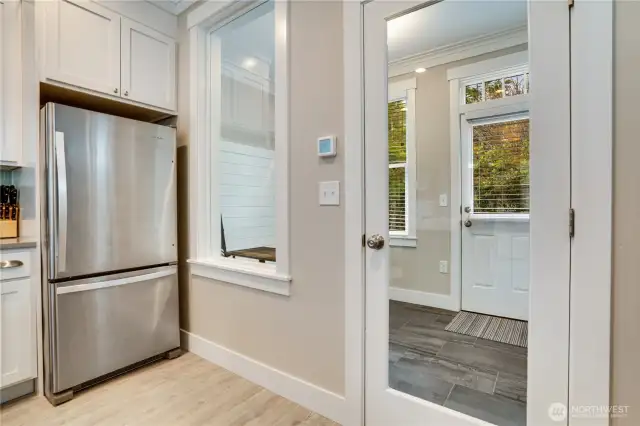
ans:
(245, 273)
(402, 241)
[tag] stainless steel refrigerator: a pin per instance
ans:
(109, 249)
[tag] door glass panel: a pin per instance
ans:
(458, 307)
(501, 167)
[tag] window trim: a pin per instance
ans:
(406, 89)
(205, 258)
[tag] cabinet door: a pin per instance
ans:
(83, 45)
(148, 66)
(16, 333)
(10, 84)
(2, 62)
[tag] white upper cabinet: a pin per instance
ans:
(92, 47)
(83, 45)
(148, 66)
(10, 85)
(2, 62)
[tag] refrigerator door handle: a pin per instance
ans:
(117, 282)
(61, 169)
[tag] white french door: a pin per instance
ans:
(396, 394)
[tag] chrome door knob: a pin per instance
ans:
(375, 242)
(468, 223)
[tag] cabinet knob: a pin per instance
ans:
(126, 93)
(115, 90)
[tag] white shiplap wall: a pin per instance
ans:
(247, 196)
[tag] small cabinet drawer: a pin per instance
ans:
(14, 264)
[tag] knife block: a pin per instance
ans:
(9, 228)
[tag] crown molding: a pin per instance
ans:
(175, 7)
(461, 50)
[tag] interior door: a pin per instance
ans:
(495, 235)
(422, 368)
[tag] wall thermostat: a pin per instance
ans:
(327, 146)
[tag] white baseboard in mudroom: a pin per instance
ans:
(317, 399)
(434, 300)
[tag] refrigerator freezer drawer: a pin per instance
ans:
(104, 324)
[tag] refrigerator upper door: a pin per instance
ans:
(111, 201)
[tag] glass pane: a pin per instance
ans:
(397, 111)
(245, 49)
(458, 352)
(514, 85)
(501, 167)
(473, 93)
(493, 89)
(397, 199)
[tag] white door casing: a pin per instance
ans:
(495, 247)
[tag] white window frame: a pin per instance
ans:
(205, 255)
(496, 75)
(489, 117)
(406, 89)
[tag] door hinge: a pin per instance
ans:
(570, 2)
(364, 240)
(572, 223)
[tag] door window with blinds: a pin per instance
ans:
(501, 166)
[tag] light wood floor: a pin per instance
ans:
(187, 391)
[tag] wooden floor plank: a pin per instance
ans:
(187, 391)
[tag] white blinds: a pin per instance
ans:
(397, 111)
(501, 167)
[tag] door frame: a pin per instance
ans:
(456, 77)
(515, 110)
(592, 121)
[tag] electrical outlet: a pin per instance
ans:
(444, 267)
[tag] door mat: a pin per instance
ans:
(498, 329)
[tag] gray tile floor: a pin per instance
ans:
(482, 378)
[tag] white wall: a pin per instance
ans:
(247, 196)
(418, 268)
(301, 335)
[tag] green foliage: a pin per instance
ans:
(501, 167)
(473, 93)
(397, 128)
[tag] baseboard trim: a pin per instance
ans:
(434, 300)
(317, 399)
(17, 391)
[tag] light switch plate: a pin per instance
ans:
(443, 200)
(444, 267)
(329, 193)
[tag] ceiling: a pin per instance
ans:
(451, 22)
(174, 7)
